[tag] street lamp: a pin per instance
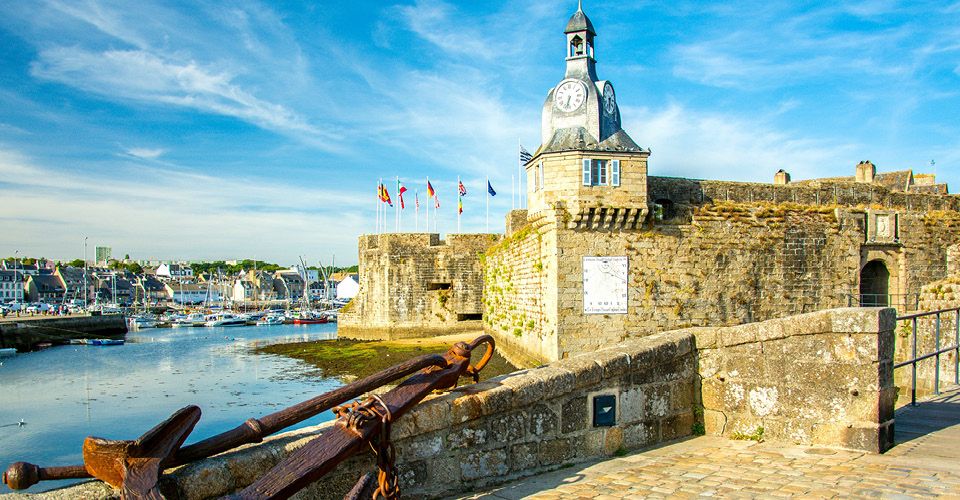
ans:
(86, 296)
(17, 287)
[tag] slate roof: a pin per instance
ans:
(577, 138)
(579, 22)
(47, 283)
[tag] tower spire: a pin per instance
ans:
(580, 5)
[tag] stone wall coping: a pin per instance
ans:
(842, 321)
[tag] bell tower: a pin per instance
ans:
(587, 164)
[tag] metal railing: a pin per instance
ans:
(914, 319)
(906, 301)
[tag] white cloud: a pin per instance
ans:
(704, 145)
(143, 76)
(174, 213)
(146, 153)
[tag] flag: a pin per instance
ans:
(459, 206)
(385, 196)
(525, 155)
(416, 199)
(463, 190)
(430, 191)
(436, 201)
(490, 189)
(400, 190)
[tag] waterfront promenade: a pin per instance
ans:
(923, 464)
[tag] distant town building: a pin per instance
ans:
(44, 288)
(348, 287)
(191, 293)
(174, 271)
(18, 265)
(103, 255)
(11, 286)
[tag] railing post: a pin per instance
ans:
(913, 366)
(936, 368)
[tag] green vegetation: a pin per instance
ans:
(347, 359)
(756, 436)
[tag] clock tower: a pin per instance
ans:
(587, 164)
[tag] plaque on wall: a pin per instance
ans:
(882, 227)
(605, 285)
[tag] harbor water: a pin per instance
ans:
(65, 393)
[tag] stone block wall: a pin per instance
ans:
(816, 193)
(718, 262)
(519, 286)
(415, 284)
(823, 378)
(563, 186)
(508, 427)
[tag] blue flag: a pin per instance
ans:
(490, 189)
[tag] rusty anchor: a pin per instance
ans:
(134, 467)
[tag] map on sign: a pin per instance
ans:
(604, 285)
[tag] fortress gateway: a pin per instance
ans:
(606, 251)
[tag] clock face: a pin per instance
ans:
(570, 95)
(609, 99)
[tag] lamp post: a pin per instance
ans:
(86, 294)
(17, 287)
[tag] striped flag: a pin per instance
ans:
(385, 196)
(430, 191)
(525, 155)
(436, 201)
(490, 189)
(416, 199)
(400, 190)
(463, 190)
(459, 206)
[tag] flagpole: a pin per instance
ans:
(487, 196)
(376, 228)
(519, 176)
(380, 207)
(458, 204)
(513, 193)
(416, 209)
(396, 228)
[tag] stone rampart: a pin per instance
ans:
(820, 378)
(717, 263)
(823, 378)
(815, 193)
(415, 285)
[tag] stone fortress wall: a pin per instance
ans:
(717, 253)
(416, 285)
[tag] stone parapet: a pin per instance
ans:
(823, 378)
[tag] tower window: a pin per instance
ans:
(598, 172)
(576, 46)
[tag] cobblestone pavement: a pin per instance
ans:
(922, 465)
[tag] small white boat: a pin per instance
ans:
(273, 319)
(190, 320)
(141, 322)
(227, 320)
(7, 352)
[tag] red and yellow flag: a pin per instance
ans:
(430, 191)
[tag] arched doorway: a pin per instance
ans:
(875, 285)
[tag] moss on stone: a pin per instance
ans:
(348, 359)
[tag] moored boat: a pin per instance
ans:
(7, 352)
(104, 342)
(227, 320)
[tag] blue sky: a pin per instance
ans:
(243, 129)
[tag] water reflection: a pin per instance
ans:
(66, 393)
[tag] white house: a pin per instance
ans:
(191, 293)
(348, 287)
(174, 271)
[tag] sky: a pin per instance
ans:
(224, 130)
